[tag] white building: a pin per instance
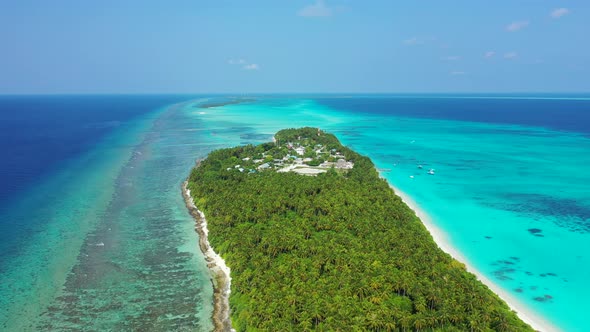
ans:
(300, 150)
(264, 166)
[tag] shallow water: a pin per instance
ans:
(117, 249)
(514, 199)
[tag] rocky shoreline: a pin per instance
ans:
(220, 273)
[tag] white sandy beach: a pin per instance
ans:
(220, 272)
(217, 260)
(440, 237)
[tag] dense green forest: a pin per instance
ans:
(334, 252)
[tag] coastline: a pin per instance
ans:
(220, 272)
(221, 279)
(440, 237)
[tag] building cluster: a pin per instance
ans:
(295, 157)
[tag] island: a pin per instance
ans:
(317, 240)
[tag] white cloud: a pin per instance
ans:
(489, 54)
(236, 61)
(515, 26)
(452, 58)
(559, 12)
(244, 64)
(251, 66)
(457, 73)
(510, 55)
(318, 9)
(413, 41)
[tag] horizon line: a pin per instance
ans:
(288, 93)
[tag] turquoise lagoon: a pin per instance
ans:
(117, 250)
(513, 199)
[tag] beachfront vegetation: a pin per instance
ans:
(335, 252)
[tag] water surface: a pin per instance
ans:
(95, 235)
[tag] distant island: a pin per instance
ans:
(227, 101)
(316, 240)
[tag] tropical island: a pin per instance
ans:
(338, 250)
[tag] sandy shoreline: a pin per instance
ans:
(220, 272)
(535, 321)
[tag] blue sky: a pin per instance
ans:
(192, 46)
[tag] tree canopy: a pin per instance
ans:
(335, 252)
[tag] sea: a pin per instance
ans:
(94, 234)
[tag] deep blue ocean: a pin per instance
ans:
(94, 232)
(40, 133)
(556, 112)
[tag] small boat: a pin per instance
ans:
(431, 171)
(411, 176)
(420, 166)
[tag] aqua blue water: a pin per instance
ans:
(101, 239)
(510, 188)
(95, 233)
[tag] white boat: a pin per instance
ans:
(431, 171)
(411, 176)
(420, 166)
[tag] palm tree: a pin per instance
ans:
(475, 323)
(406, 322)
(500, 323)
(390, 325)
(375, 321)
(419, 322)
